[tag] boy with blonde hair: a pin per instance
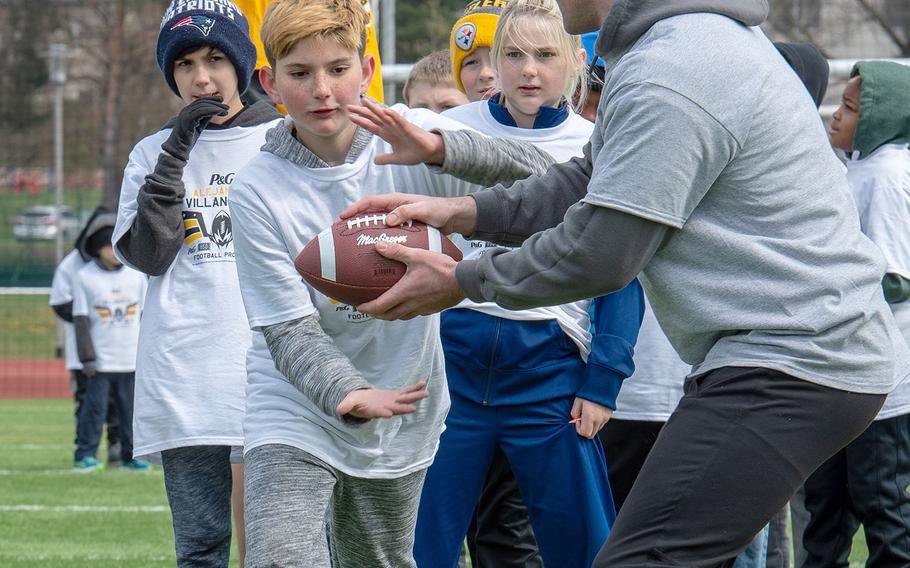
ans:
(430, 84)
(321, 373)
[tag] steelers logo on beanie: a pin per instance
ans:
(206, 23)
(474, 29)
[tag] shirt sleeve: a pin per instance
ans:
(133, 178)
(62, 284)
(80, 297)
(885, 222)
(660, 155)
(273, 292)
(616, 322)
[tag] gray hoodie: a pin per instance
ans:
(710, 173)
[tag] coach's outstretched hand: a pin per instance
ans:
(429, 285)
(448, 214)
(190, 123)
(379, 403)
(411, 144)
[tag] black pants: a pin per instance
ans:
(500, 534)
(740, 443)
(626, 446)
(865, 483)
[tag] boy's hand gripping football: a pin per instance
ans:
(190, 123)
(380, 403)
(410, 144)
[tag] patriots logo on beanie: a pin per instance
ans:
(191, 24)
(202, 23)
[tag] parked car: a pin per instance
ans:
(41, 223)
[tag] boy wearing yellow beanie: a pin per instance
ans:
(469, 43)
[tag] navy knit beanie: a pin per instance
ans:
(198, 23)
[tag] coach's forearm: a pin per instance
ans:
(570, 262)
(310, 361)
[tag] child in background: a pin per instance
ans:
(175, 225)
(865, 483)
(596, 74)
(61, 301)
(430, 84)
(469, 43)
(107, 302)
(532, 383)
(336, 407)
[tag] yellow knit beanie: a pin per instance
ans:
(476, 28)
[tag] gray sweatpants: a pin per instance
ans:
(290, 495)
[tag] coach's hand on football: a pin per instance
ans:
(380, 403)
(589, 417)
(190, 123)
(448, 214)
(429, 285)
(411, 144)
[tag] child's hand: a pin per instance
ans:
(379, 403)
(190, 123)
(411, 144)
(589, 417)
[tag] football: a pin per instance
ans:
(342, 262)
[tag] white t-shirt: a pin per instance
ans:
(191, 375)
(654, 389)
(279, 206)
(881, 188)
(112, 301)
(564, 142)
(62, 293)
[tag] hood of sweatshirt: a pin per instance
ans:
(100, 220)
(884, 105)
(810, 66)
(80, 244)
(628, 20)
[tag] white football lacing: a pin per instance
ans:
(367, 220)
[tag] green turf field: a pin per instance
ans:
(52, 517)
(27, 327)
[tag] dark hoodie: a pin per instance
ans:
(884, 105)
(100, 222)
(65, 310)
(156, 235)
(810, 66)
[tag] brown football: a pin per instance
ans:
(342, 262)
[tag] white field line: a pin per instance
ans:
(29, 446)
(83, 509)
(84, 557)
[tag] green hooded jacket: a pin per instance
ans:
(884, 105)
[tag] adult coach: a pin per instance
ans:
(709, 174)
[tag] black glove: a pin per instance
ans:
(190, 123)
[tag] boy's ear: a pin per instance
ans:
(369, 67)
(267, 80)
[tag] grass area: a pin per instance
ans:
(51, 517)
(27, 327)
